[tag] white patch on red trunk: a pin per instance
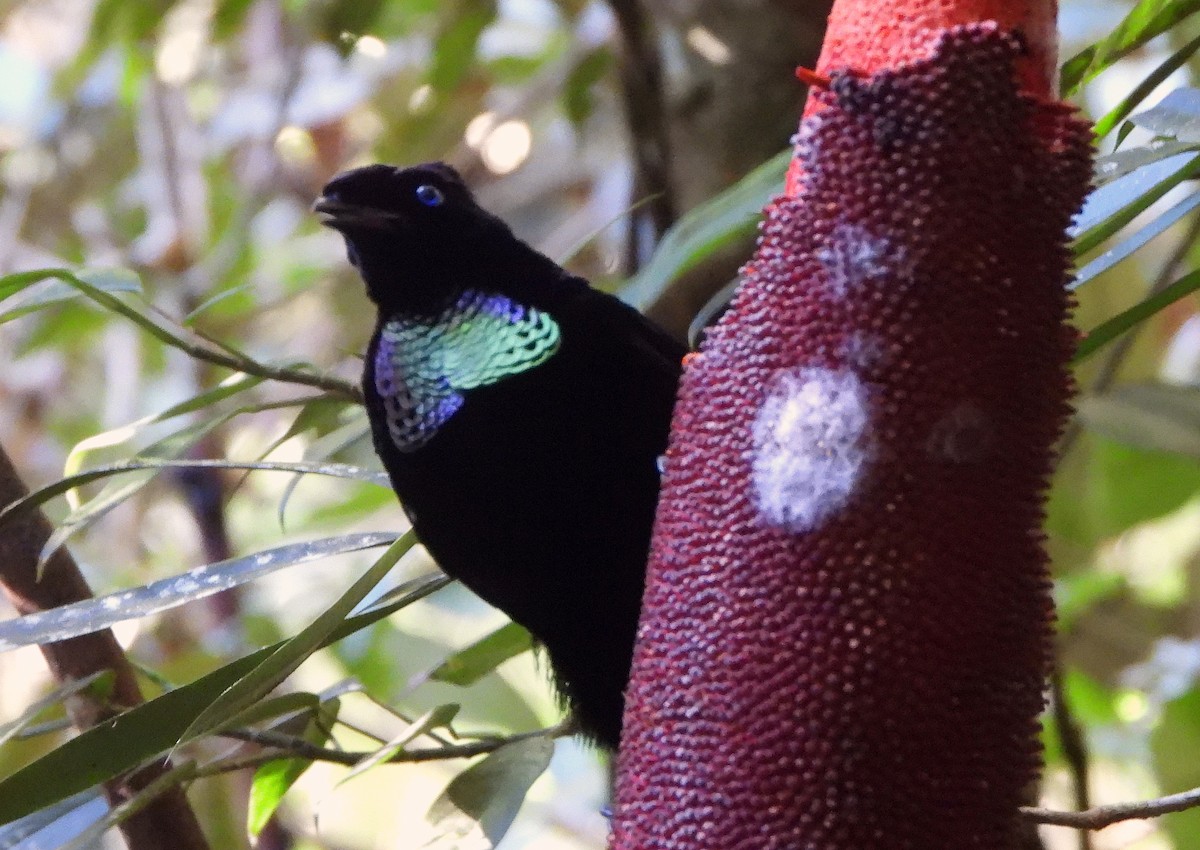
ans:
(811, 446)
(853, 256)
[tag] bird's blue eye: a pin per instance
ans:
(430, 196)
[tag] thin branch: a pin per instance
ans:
(1103, 816)
(168, 821)
(645, 110)
(289, 746)
(332, 385)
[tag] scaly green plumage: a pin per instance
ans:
(423, 366)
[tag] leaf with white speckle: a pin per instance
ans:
(91, 615)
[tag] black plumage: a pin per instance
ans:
(520, 414)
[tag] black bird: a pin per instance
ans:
(520, 414)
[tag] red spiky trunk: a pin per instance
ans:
(846, 624)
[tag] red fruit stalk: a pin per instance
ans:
(846, 625)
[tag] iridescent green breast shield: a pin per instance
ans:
(424, 366)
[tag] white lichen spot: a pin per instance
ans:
(811, 446)
(963, 435)
(184, 584)
(853, 256)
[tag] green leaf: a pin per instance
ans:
(92, 615)
(145, 732)
(1147, 19)
(141, 472)
(456, 42)
(231, 386)
(1078, 593)
(1127, 486)
(469, 665)
(731, 215)
(578, 99)
(1135, 241)
(283, 661)
(12, 834)
(1177, 116)
(1109, 208)
(1158, 417)
(228, 16)
(1115, 165)
(1143, 89)
(115, 816)
(335, 470)
(27, 298)
(274, 708)
(214, 300)
(479, 805)
(114, 493)
(1107, 331)
(1091, 702)
(154, 325)
(1175, 747)
(112, 303)
(273, 779)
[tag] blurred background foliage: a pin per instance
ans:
(167, 153)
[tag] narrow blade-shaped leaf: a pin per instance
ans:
(13, 834)
(733, 213)
(142, 733)
(13, 727)
(92, 615)
(1146, 20)
(1130, 244)
(53, 290)
(1158, 417)
(335, 470)
(1135, 315)
(1143, 89)
(472, 663)
(479, 805)
(282, 662)
(1109, 208)
(1115, 165)
(1176, 116)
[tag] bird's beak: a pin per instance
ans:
(340, 215)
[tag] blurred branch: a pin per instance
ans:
(1074, 745)
(166, 822)
(645, 110)
(222, 258)
(1103, 816)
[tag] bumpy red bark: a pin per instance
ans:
(846, 623)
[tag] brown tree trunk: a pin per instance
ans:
(168, 821)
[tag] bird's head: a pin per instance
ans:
(409, 231)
